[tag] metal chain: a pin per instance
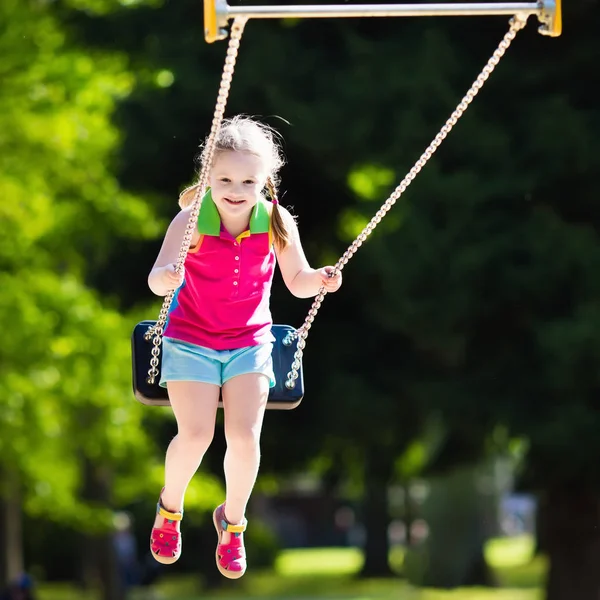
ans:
(516, 23)
(156, 332)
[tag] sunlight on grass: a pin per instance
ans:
(509, 552)
(331, 561)
(514, 562)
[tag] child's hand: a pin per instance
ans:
(330, 283)
(171, 279)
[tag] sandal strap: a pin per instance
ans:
(225, 525)
(171, 516)
(231, 551)
(240, 528)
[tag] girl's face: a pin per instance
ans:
(236, 180)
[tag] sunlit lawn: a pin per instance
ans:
(327, 573)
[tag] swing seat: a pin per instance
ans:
(280, 396)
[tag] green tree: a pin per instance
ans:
(62, 374)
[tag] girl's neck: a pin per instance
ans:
(235, 226)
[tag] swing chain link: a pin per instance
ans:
(156, 332)
(516, 24)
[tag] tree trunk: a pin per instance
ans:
(409, 514)
(100, 567)
(11, 535)
(378, 470)
(572, 540)
(540, 527)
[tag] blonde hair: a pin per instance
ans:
(244, 134)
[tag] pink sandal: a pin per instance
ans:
(231, 557)
(165, 541)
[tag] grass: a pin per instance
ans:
(481, 594)
(509, 552)
(514, 564)
(328, 573)
(319, 561)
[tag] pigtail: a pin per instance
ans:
(281, 234)
(187, 197)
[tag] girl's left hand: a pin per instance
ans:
(331, 284)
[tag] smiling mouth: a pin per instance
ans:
(234, 202)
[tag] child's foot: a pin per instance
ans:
(230, 554)
(165, 541)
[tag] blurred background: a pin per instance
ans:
(448, 443)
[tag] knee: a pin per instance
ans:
(197, 439)
(243, 440)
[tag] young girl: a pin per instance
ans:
(218, 339)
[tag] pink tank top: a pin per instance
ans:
(224, 301)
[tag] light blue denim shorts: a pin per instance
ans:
(182, 361)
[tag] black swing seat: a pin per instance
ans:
(280, 396)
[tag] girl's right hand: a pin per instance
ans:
(171, 279)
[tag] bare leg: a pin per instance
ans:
(244, 403)
(195, 407)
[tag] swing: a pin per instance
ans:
(289, 390)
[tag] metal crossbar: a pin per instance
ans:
(217, 13)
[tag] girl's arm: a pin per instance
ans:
(163, 278)
(302, 280)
